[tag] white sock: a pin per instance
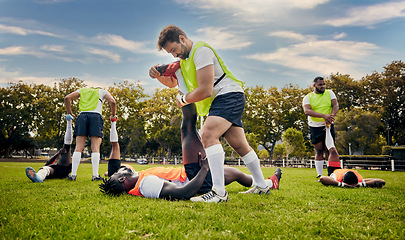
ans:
(319, 167)
(216, 157)
(269, 182)
(328, 139)
(69, 133)
(113, 132)
(43, 172)
(76, 157)
(95, 161)
(252, 162)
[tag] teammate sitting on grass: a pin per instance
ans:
(351, 179)
(51, 169)
(174, 183)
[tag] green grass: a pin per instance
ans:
(301, 209)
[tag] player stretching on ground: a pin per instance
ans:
(51, 169)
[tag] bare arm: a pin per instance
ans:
(113, 104)
(329, 118)
(205, 79)
(171, 191)
(68, 101)
(168, 81)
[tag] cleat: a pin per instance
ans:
(72, 177)
(32, 175)
(97, 178)
(318, 177)
(210, 197)
(257, 190)
(276, 178)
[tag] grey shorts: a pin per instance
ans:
(229, 106)
(89, 124)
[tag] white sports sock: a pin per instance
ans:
(43, 172)
(113, 132)
(269, 182)
(252, 162)
(328, 139)
(69, 133)
(216, 157)
(95, 161)
(319, 167)
(76, 157)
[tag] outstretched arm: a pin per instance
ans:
(374, 182)
(171, 191)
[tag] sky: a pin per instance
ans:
(268, 43)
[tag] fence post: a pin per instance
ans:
(283, 163)
(392, 165)
(341, 163)
(239, 162)
(310, 162)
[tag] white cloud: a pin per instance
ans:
(292, 35)
(22, 31)
(120, 42)
(370, 15)
(113, 56)
(253, 10)
(20, 50)
(321, 56)
(219, 38)
(53, 48)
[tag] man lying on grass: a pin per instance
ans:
(51, 169)
(351, 179)
(174, 183)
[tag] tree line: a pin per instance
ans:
(371, 116)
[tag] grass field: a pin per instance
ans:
(301, 209)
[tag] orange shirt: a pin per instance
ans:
(339, 173)
(162, 172)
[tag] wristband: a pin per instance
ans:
(183, 99)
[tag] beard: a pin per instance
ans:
(319, 90)
(184, 52)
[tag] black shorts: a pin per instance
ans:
(89, 124)
(192, 169)
(229, 106)
(60, 171)
(318, 134)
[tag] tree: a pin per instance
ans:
(16, 118)
(293, 141)
(385, 94)
(131, 100)
(359, 128)
(348, 91)
(269, 112)
(159, 111)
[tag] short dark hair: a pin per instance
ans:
(111, 187)
(350, 178)
(318, 78)
(169, 33)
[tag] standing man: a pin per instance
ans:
(321, 106)
(89, 123)
(216, 92)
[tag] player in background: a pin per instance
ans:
(321, 106)
(62, 168)
(89, 123)
(350, 179)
